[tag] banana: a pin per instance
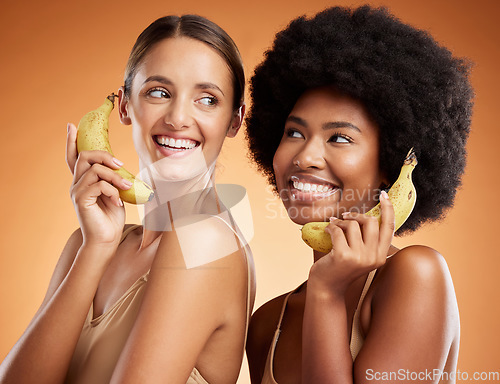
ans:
(402, 195)
(93, 135)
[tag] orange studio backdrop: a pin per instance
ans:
(61, 58)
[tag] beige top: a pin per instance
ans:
(103, 338)
(357, 337)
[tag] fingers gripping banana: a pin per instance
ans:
(93, 135)
(402, 195)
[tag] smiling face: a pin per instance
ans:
(181, 108)
(327, 160)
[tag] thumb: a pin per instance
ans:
(71, 150)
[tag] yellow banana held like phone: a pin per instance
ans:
(402, 195)
(93, 134)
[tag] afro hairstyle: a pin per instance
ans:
(416, 91)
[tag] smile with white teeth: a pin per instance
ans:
(310, 187)
(176, 145)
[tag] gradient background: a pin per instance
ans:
(61, 59)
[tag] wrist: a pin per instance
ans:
(98, 254)
(319, 291)
(103, 248)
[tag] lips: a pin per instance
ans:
(309, 187)
(174, 144)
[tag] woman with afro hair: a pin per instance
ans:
(337, 103)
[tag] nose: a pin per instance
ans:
(310, 155)
(178, 114)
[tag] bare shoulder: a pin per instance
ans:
(416, 264)
(199, 266)
(411, 308)
(202, 239)
(415, 277)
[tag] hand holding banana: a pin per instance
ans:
(402, 195)
(93, 135)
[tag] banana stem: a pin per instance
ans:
(411, 158)
(112, 97)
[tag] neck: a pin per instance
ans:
(177, 199)
(317, 255)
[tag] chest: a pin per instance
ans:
(127, 266)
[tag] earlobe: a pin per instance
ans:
(123, 107)
(237, 121)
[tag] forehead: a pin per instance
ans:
(326, 104)
(184, 58)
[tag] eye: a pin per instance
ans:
(209, 101)
(340, 138)
(293, 133)
(158, 93)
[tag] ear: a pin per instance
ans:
(239, 114)
(123, 107)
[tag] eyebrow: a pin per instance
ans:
(166, 81)
(329, 125)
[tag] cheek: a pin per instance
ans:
(142, 119)
(214, 136)
(358, 174)
(362, 162)
(213, 125)
(141, 128)
(279, 163)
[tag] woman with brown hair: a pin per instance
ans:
(169, 300)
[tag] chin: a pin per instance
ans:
(304, 215)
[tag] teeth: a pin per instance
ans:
(308, 187)
(161, 140)
(173, 143)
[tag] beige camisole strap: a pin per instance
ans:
(357, 337)
(268, 377)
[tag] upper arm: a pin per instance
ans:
(196, 286)
(414, 315)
